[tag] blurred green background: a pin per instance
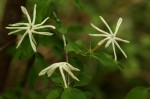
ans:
(108, 82)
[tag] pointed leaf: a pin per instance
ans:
(73, 94)
(54, 94)
(138, 93)
(84, 80)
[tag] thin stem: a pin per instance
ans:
(95, 48)
(66, 54)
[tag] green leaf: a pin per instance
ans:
(89, 95)
(79, 42)
(106, 60)
(44, 9)
(61, 28)
(24, 51)
(54, 93)
(57, 78)
(138, 93)
(78, 4)
(73, 93)
(84, 80)
(73, 47)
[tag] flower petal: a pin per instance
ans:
(63, 76)
(113, 45)
(98, 35)
(23, 28)
(95, 27)
(108, 43)
(106, 24)
(102, 41)
(119, 39)
(118, 25)
(34, 15)
(51, 70)
(45, 26)
(67, 69)
(43, 33)
(20, 41)
(14, 32)
(26, 13)
(17, 24)
(46, 69)
(42, 22)
(120, 49)
(31, 41)
(71, 67)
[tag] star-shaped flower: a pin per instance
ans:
(110, 38)
(30, 28)
(62, 66)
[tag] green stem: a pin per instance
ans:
(66, 54)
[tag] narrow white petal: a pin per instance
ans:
(48, 68)
(102, 41)
(95, 27)
(113, 45)
(33, 39)
(17, 24)
(43, 33)
(32, 43)
(51, 70)
(20, 41)
(26, 13)
(119, 39)
(108, 43)
(23, 28)
(106, 24)
(120, 49)
(63, 76)
(34, 15)
(72, 68)
(98, 35)
(70, 73)
(42, 22)
(118, 25)
(45, 26)
(14, 32)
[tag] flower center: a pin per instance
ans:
(112, 36)
(30, 27)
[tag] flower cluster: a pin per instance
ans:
(31, 28)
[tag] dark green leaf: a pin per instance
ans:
(78, 3)
(61, 28)
(57, 78)
(84, 80)
(138, 93)
(88, 94)
(105, 60)
(73, 94)
(54, 93)
(71, 46)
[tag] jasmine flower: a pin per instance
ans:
(30, 28)
(62, 66)
(110, 37)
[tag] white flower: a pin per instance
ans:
(30, 28)
(62, 66)
(110, 37)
